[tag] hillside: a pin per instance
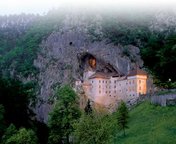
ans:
(150, 124)
(51, 50)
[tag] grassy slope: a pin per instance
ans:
(149, 124)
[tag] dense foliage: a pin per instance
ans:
(158, 48)
(65, 113)
(2, 125)
(15, 97)
(159, 56)
(15, 112)
(22, 136)
(19, 47)
(95, 128)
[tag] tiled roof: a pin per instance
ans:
(99, 75)
(137, 72)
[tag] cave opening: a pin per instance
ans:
(92, 62)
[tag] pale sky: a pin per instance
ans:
(42, 6)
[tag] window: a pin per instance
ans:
(133, 81)
(99, 81)
(106, 81)
(99, 91)
(115, 81)
(92, 81)
(114, 86)
(99, 86)
(109, 86)
(106, 92)
(103, 81)
(114, 91)
(139, 88)
(139, 81)
(109, 91)
(109, 81)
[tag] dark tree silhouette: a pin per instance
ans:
(88, 108)
(122, 117)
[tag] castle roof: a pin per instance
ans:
(99, 75)
(137, 72)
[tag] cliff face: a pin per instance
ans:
(64, 54)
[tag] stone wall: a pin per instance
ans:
(164, 100)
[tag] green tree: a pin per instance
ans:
(2, 125)
(11, 130)
(88, 108)
(94, 128)
(15, 97)
(61, 119)
(23, 136)
(122, 117)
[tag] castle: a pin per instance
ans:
(108, 89)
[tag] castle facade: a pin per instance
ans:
(108, 89)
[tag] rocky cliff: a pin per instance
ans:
(63, 57)
(64, 53)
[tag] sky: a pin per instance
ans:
(43, 6)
